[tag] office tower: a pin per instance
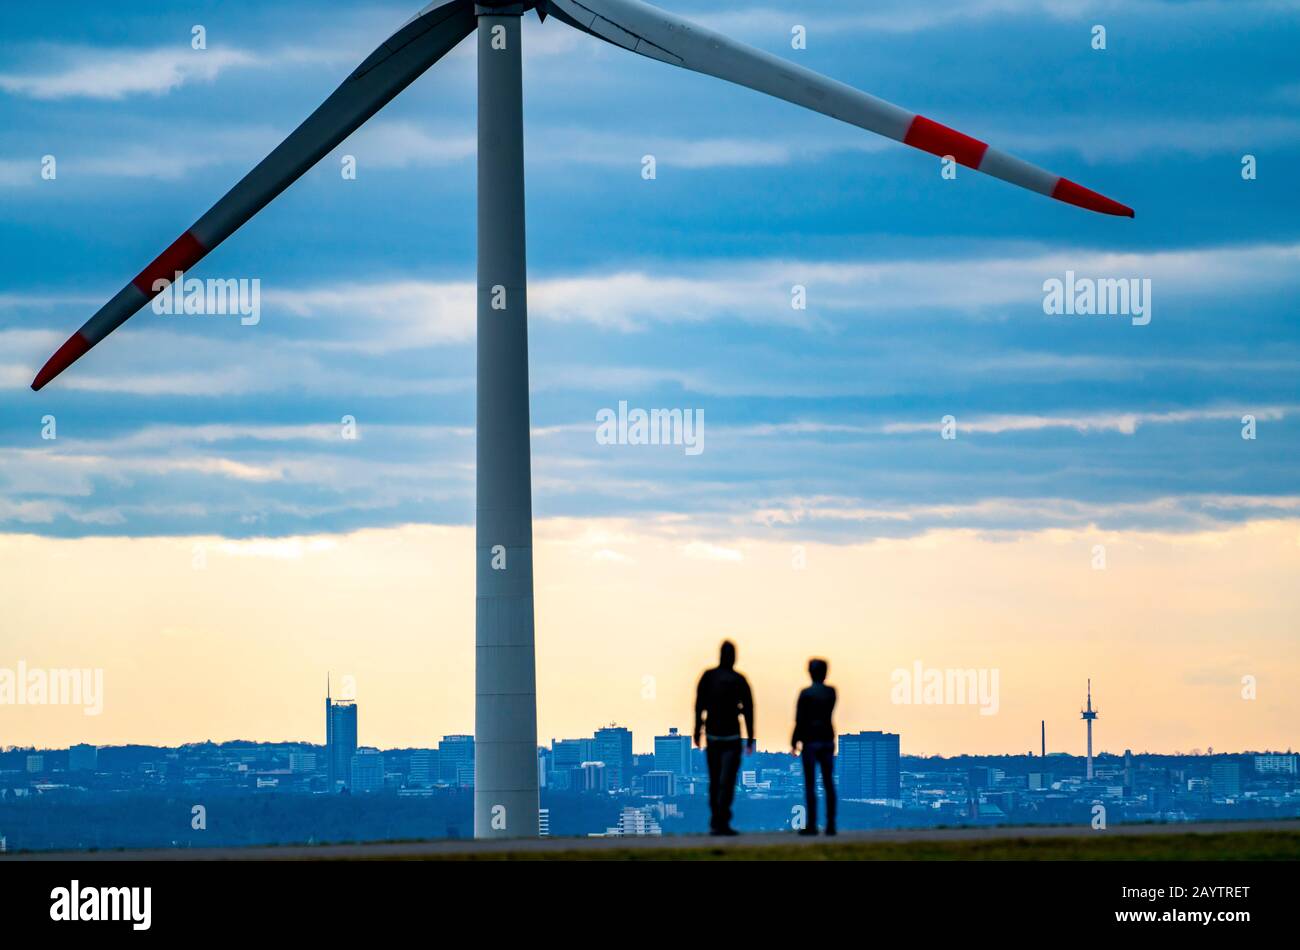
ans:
(456, 760)
(1156, 798)
(35, 763)
(613, 746)
(302, 762)
(1225, 779)
(1275, 764)
(659, 783)
(340, 738)
(424, 768)
(673, 753)
(82, 758)
(1089, 715)
(562, 780)
(568, 755)
(869, 766)
(698, 765)
(367, 772)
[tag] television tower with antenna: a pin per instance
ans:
(1088, 715)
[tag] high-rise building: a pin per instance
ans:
(983, 776)
(673, 753)
(424, 768)
(35, 764)
(82, 758)
(456, 760)
(595, 777)
(367, 772)
(568, 754)
(340, 738)
(302, 762)
(698, 764)
(613, 746)
(1275, 764)
(659, 783)
(869, 766)
(1225, 779)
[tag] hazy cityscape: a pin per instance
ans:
(245, 792)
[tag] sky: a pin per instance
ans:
(200, 529)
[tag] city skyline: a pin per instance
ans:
(52, 799)
(342, 714)
(596, 784)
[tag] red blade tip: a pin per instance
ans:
(1071, 193)
(71, 351)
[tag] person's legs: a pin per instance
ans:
(826, 756)
(810, 785)
(713, 756)
(728, 767)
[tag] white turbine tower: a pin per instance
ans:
(505, 773)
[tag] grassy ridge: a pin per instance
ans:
(1231, 846)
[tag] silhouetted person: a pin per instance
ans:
(722, 697)
(814, 739)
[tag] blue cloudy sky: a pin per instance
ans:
(924, 295)
(196, 442)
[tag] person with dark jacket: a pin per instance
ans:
(721, 699)
(814, 740)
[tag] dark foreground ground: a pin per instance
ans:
(1239, 841)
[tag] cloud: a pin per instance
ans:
(184, 150)
(402, 313)
(115, 74)
(384, 144)
(315, 325)
(292, 549)
(995, 515)
(403, 144)
(702, 551)
(1125, 423)
(1126, 140)
(907, 16)
(378, 317)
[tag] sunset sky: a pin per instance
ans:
(202, 532)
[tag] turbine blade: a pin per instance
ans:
(664, 36)
(398, 62)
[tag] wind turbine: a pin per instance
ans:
(505, 726)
